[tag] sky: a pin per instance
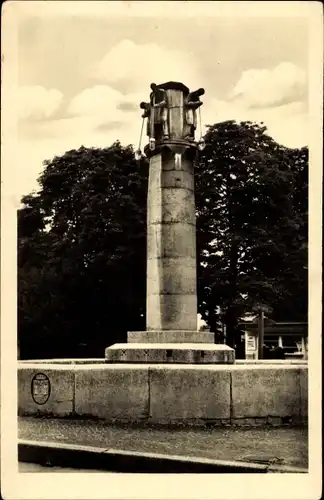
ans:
(84, 67)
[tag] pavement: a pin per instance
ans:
(285, 446)
(28, 467)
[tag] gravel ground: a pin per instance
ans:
(287, 446)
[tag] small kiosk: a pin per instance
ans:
(251, 344)
(292, 337)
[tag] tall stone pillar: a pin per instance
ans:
(171, 241)
(171, 305)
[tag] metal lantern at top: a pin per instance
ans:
(172, 116)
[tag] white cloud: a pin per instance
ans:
(274, 96)
(268, 87)
(99, 115)
(97, 100)
(139, 65)
(101, 108)
(287, 124)
(36, 103)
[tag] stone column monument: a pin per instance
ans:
(171, 334)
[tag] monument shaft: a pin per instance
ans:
(171, 243)
(171, 334)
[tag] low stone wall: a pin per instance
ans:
(240, 394)
(100, 361)
(64, 361)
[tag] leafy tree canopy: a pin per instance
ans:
(82, 241)
(82, 251)
(251, 197)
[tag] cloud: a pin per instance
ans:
(38, 103)
(98, 100)
(127, 106)
(101, 105)
(100, 114)
(104, 127)
(259, 88)
(287, 124)
(134, 67)
(276, 97)
(125, 74)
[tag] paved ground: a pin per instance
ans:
(287, 446)
(27, 467)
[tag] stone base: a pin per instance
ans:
(171, 337)
(170, 353)
(166, 394)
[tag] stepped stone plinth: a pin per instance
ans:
(171, 337)
(170, 353)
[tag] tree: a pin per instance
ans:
(295, 257)
(82, 253)
(82, 241)
(246, 222)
